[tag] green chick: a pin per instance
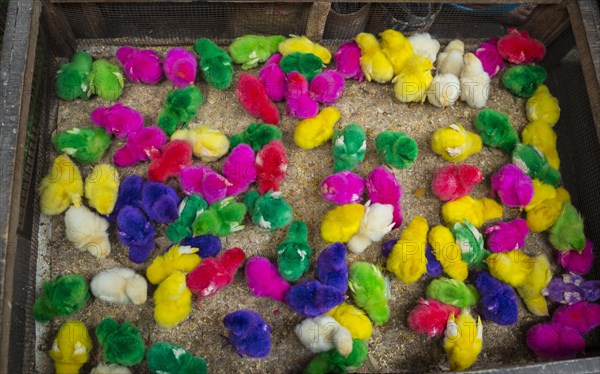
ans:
(567, 232)
(470, 241)
(189, 209)
(220, 219)
(215, 64)
(256, 135)
(396, 149)
(349, 147)
(533, 162)
(84, 145)
(180, 108)
(62, 296)
(496, 130)
(293, 254)
(106, 80)
(333, 362)
(452, 292)
(523, 80)
(165, 357)
(250, 50)
(370, 291)
(72, 81)
(121, 344)
(306, 64)
(269, 211)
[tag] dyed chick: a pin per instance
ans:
(474, 82)
(269, 211)
(84, 145)
(207, 144)
(140, 65)
(575, 261)
(554, 341)
(215, 64)
(130, 194)
(373, 62)
(119, 285)
(249, 334)
(370, 291)
(451, 60)
(163, 357)
(221, 218)
(583, 317)
(333, 362)
(454, 143)
(383, 188)
(180, 67)
(471, 244)
(253, 97)
(172, 301)
(411, 84)
(121, 344)
(407, 259)
(139, 146)
(452, 292)
(541, 135)
(377, 221)
(298, 101)
(543, 107)
(169, 160)
(271, 165)
(250, 50)
(571, 289)
(498, 300)
(204, 181)
(535, 164)
(72, 80)
(313, 132)
(343, 187)
(430, 317)
(311, 298)
(118, 119)
(256, 135)
(506, 236)
(447, 252)
(177, 258)
(531, 290)
(327, 87)
(347, 60)
(332, 268)
(567, 232)
(496, 130)
(180, 108)
(215, 273)
(512, 186)
(523, 80)
(106, 80)
(293, 254)
(396, 149)
(264, 280)
(208, 245)
(463, 340)
(71, 347)
(353, 319)
(424, 45)
(513, 267)
(304, 45)
(239, 169)
(136, 232)
(396, 48)
(61, 297)
(490, 58)
(323, 333)
(306, 64)
(476, 211)
(341, 223)
(87, 231)
(160, 202)
(453, 181)
(349, 147)
(517, 47)
(273, 78)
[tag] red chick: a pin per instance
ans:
(215, 273)
(455, 180)
(517, 47)
(169, 161)
(254, 99)
(271, 166)
(430, 317)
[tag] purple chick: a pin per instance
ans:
(491, 60)
(160, 202)
(180, 67)
(249, 334)
(118, 119)
(434, 267)
(139, 146)
(583, 316)
(506, 236)
(130, 194)
(136, 232)
(208, 245)
(344, 187)
(554, 341)
(140, 65)
(204, 181)
(575, 262)
(299, 104)
(571, 289)
(332, 268)
(312, 298)
(327, 87)
(347, 60)
(383, 187)
(513, 186)
(498, 302)
(273, 78)
(239, 169)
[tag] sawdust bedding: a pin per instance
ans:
(393, 347)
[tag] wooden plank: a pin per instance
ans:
(547, 22)
(317, 17)
(18, 59)
(308, 1)
(60, 33)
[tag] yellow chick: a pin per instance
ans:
(531, 290)
(207, 144)
(447, 252)
(373, 62)
(304, 45)
(342, 222)
(407, 259)
(541, 135)
(542, 106)
(102, 188)
(476, 211)
(463, 340)
(512, 267)
(313, 132)
(172, 300)
(62, 187)
(177, 258)
(411, 84)
(71, 347)
(545, 206)
(396, 48)
(454, 143)
(354, 319)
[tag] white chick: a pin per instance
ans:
(375, 223)
(120, 285)
(424, 45)
(87, 231)
(103, 368)
(323, 333)
(444, 90)
(451, 60)
(474, 82)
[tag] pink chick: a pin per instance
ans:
(139, 146)
(384, 188)
(180, 67)
(347, 60)
(506, 236)
(140, 65)
(264, 279)
(490, 58)
(299, 104)
(271, 166)
(455, 180)
(204, 181)
(554, 341)
(513, 186)
(273, 78)
(327, 87)
(344, 187)
(430, 317)
(118, 119)
(239, 169)
(583, 316)
(575, 262)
